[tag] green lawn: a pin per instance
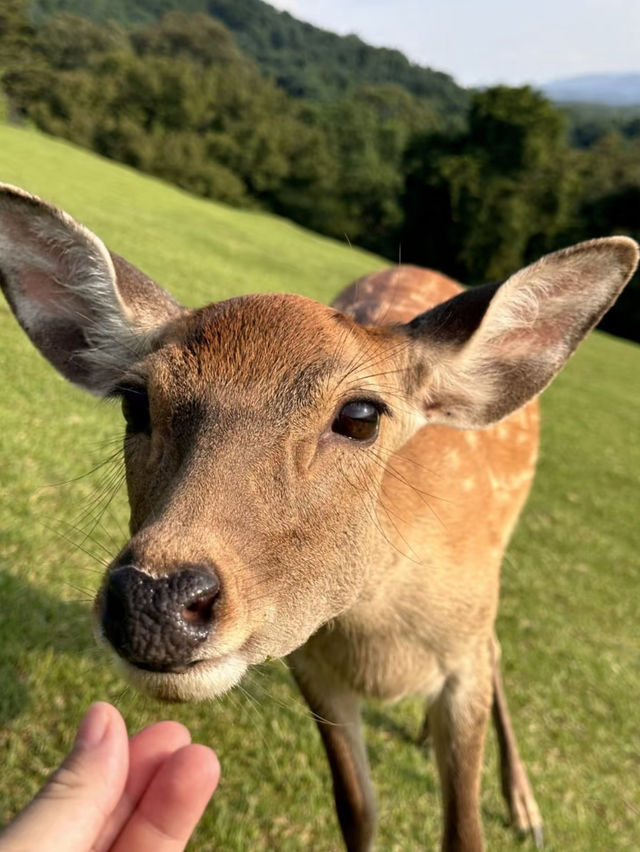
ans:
(569, 620)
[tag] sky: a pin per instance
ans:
(482, 42)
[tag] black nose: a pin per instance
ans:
(157, 623)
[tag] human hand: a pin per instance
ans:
(111, 793)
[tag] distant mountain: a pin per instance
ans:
(610, 89)
(305, 60)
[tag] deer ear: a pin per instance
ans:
(486, 352)
(89, 312)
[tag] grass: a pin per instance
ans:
(569, 613)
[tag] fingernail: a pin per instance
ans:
(93, 727)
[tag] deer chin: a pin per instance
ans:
(201, 680)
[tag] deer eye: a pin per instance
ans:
(358, 420)
(135, 408)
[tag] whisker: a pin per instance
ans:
(75, 544)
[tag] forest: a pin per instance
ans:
(240, 103)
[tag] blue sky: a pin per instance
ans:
(481, 42)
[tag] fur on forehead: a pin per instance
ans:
(282, 343)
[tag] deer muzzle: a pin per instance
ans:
(159, 623)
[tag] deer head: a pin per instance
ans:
(258, 430)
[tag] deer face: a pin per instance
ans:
(256, 436)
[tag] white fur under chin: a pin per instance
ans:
(207, 679)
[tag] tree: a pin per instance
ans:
(367, 133)
(482, 204)
(609, 203)
(69, 43)
(16, 31)
(197, 37)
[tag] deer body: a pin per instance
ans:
(335, 485)
(426, 571)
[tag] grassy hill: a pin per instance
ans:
(568, 620)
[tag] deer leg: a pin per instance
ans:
(337, 715)
(423, 739)
(457, 725)
(516, 789)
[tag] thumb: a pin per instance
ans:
(72, 807)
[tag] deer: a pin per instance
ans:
(331, 485)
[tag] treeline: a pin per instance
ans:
(377, 165)
(304, 60)
(590, 122)
(177, 98)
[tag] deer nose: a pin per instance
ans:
(157, 623)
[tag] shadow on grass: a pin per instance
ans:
(375, 717)
(33, 621)
(377, 722)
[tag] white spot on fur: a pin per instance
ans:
(468, 484)
(494, 481)
(453, 459)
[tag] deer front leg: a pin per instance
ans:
(516, 789)
(337, 715)
(457, 725)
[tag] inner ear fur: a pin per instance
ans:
(489, 350)
(90, 312)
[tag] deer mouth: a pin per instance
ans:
(166, 668)
(196, 681)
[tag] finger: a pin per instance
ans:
(173, 803)
(148, 750)
(78, 798)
